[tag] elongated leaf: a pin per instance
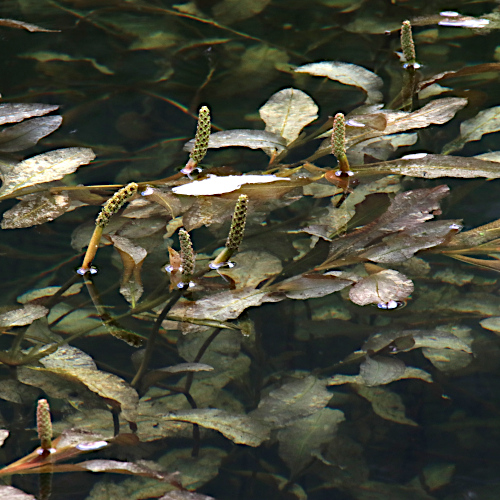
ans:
(42, 168)
(35, 209)
(46, 56)
(307, 286)
(348, 74)
(13, 23)
(253, 139)
(401, 246)
(72, 363)
(241, 429)
(16, 112)
(287, 112)
(381, 288)
(214, 184)
(28, 133)
(485, 122)
(433, 166)
(23, 316)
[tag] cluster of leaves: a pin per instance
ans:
(298, 245)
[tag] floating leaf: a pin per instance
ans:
(292, 401)
(348, 74)
(241, 429)
(42, 168)
(27, 134)
(287, 112)
(308, 286)
(16, 112)
(381, 288)
(13, 23)
(433, 166)
(399, 247)
(300, 440)
(248, 138)
(385, 404)
(485, 122)
(36, 209)
(214, 184)
(46, 56)
(23, 316)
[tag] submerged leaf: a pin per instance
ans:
(42, 168)
(348, 74)
(485, 122)
(248, 138)
(13, 23)
(27, 134)
(35, 209)
(308, 286)
(16, 112)
(46, 56)
(23, 316)
(301, 440)
(242, 429)
(287, 112)
(381, 288)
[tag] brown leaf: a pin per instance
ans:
(12, 23)
(36, 209)
(43, 168)
(27, 134)
(287, 112)
(381, 288)
(16, 112)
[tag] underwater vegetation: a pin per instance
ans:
(300, 320)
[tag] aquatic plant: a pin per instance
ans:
(297, 228)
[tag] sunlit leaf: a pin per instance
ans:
(241, 429)
(46, 56)
(348, 74)
(13, 23)
(28, 133)
(485, 122)
(307, 286)
(42, 168)
(47, 292)
(433, 166)
(301, 439)
(401, 246)
(36, 209)
(69, 362)
(4, 434)
(385, 404)
(293, 400)
(16, 112)
(248, 138)
(23, 316)
(287, 112)
(11, 493)
(214, 184)
(381, 288)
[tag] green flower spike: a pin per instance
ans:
(44, 425)
(407, 45)
(200, 141)
(187, 254)
(235, 233)
(338, 142)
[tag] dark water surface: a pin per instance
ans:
(129, 78)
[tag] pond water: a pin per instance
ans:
(352, 352)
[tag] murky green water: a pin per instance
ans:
(276, 407)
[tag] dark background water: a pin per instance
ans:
(138, 108)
